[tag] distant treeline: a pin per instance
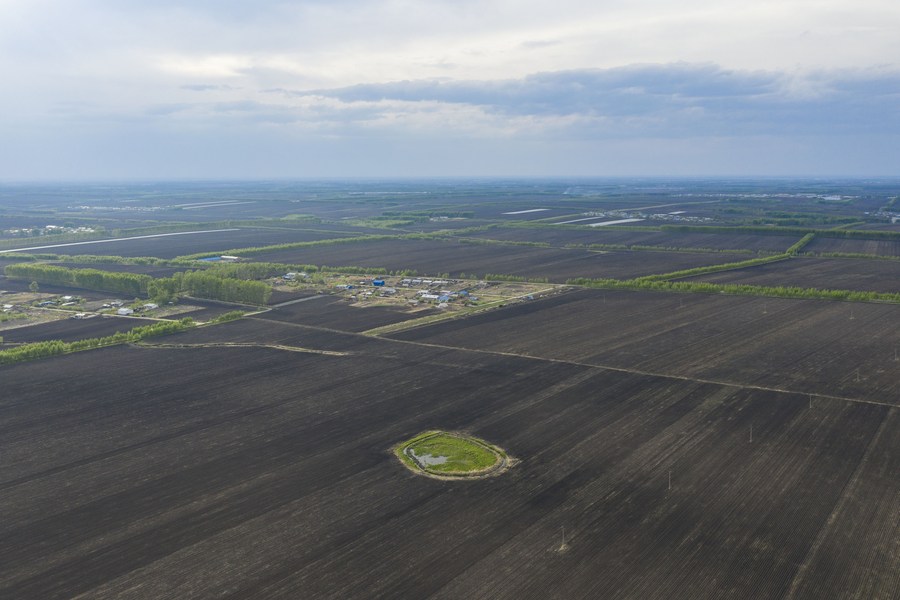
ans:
(757, 230)
(129, 284)
(645, 248)
(54, 347)
(738, 289)
(214, 285)
(517, 278)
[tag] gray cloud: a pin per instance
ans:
(678, 99)
(206, 87)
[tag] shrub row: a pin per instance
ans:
(54, 347)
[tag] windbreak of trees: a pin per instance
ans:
(38, 350)
(202, 284)
(863, 234)
(128, 284)
(738, 289)
(800, 244)
(714, 268)
(645, 248)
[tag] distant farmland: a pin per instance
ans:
(171, 246)
(436, 256)
(668, 439)
(715, 241)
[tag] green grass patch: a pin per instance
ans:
(450, 454)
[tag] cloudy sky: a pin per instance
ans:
(157, 89)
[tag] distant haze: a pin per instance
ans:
(386, 88)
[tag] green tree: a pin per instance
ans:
(34, 287)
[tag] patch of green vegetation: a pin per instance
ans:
(233, 315)
(4, 317)
(450, 454)
(38, 350)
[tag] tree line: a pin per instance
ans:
(38, 350)
(738, 289)
(128, 284)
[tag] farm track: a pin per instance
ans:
(242, 345)
(827, 349)
(607, 367)
(656, 374)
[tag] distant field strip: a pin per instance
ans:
(216, 205)
(123, 239)
(578, 220)
(522, 212)
(247, 345)
(619, 222)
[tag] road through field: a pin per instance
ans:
(655, 374)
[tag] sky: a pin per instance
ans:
(261, 89)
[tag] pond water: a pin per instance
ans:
(428, 459)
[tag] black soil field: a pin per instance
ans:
(813, 346)
(826, 273)
(254, 472)
(874, 247)
(279, 296)
(254, 330)
(70, 330)
(336, 313)
(433, 257)
(601, 235)
(171, 246)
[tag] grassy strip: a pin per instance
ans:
(38, 350)
(490, 242)
(644, 248)
(848, 255)
(233, 315)
(738, 289)
(426, 320)
(4, 317)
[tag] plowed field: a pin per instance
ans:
(254, 472)
(434, 257)
(827, 273)
(800, 345)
